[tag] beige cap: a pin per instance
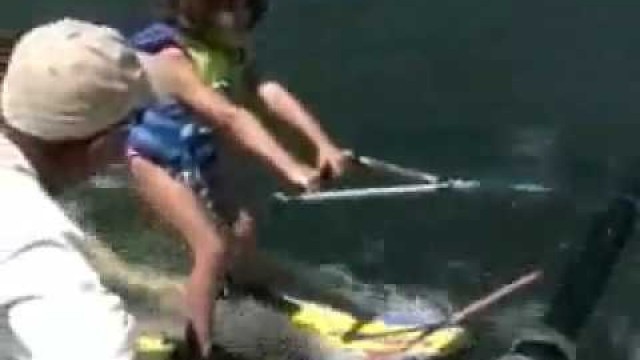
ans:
(71, 79)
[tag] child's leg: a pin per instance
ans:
(177, 205)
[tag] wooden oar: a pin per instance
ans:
(458, 317)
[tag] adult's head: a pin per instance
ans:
(68, 86)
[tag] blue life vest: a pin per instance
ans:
(167, 132)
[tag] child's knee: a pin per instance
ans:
(211, 253)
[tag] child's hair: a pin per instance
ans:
(194, 15)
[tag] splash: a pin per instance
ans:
(244, 326)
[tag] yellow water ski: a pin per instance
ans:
(329, 325)
(154, 347)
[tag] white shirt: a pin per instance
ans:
(52, 304)
(28, 215)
